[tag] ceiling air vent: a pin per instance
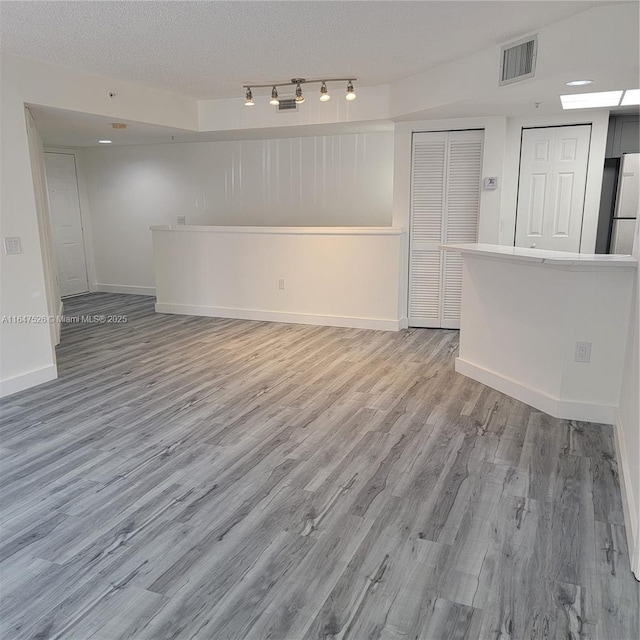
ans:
(518, 60)
(287, 104)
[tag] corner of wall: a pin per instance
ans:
(631, 513)
(28, 347)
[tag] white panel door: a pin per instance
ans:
(445, 201)
(553, 177)
(66, 223)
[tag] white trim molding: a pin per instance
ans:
(27, 380)
(279, 316)
(564, 409)
(125, 288)
(284, 231)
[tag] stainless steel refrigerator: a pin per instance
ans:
(625, 215)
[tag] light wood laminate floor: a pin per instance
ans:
(214, 479)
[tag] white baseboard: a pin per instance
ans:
(404, 323)
(124, 288)
(556, 407)
(631, 515)
(27, 380)
(278, 316)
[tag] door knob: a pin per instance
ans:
(533, 246)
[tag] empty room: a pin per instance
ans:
(319, 319)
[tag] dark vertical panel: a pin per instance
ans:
(607, 203)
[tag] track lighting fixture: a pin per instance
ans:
(299, 96)
(351, 94)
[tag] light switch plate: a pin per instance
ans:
(12, 245)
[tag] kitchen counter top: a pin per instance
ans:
(542, 256)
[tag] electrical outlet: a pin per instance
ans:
(583, 352)
(12, 245)
(182, 219)
(281, 284)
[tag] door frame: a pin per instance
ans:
(85, 218)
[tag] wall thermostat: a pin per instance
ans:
(490, 183)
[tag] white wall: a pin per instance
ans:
(230, 115)
(26, 354)
(62, 88)
(520, 323)
(332, 276)
(628, 424)
(344, 180)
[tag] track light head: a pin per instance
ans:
(351, 94)
(324, 93)
(248, 102)
(274, 97)
(299, 96)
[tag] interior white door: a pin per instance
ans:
(553, 177)
(66, 223)
(445, 202)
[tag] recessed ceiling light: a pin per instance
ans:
(591, 100)
(104, 141)
(578, 83)
(631, 96)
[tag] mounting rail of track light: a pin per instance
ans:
(298, 82)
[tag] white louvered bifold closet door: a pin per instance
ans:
(445, 200)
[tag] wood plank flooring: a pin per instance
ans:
(198, 478)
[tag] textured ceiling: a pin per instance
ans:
(209, 49)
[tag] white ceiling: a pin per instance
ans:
(210, 49)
